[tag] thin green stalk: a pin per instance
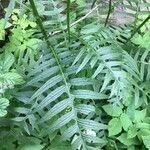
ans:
(76, 22)
(136, 15)
(138, 28)
(61, 25)
(109, 12)
(39, 22)
(68, 19)
(93, 3)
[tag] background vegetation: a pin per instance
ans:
(75, 75)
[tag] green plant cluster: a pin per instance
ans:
(72, 80)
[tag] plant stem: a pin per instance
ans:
(38, 19)
(109, 11)
(76, 22)
(68, 19)
(93, 3)
(39, 22)
(138, 28)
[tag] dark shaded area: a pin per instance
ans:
(3, 5)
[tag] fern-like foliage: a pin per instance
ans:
(78, 69)
(55, 105)
(53, 101)
(116, 68)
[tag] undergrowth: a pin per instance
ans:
(70, 79)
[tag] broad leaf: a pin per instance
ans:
(125, 120)
(114, 126)
(123, 139)
(146, 141)
(139, 115)
(132, 132)
(112, 110)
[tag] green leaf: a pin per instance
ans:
(63, 120)
(143, 132)
(142, 125)
(56, 109)
(79, 56)
(48, 84)
(88, 94)
(12, 78)
(60, 147)
(98, 70)
(85, 109)
(107, 79)
(143, 41)
(139, 115)
(2, 24)
(50, 98)
(84, 62)
(4, 103)
(69, 132)
(146, 140)
(33, 24)
(132, 147)
(125, 120)
(90, 124)
(114, 126)
(112, 110)
(81, 81)
(81, 3)
(43, 75)
(123, 139)
(132, 132)
(8, 61)
(2, 34)
(93, 139)
(10, 9)
(2, 29)
(32, 147)
(33, 43)
(90, 28)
